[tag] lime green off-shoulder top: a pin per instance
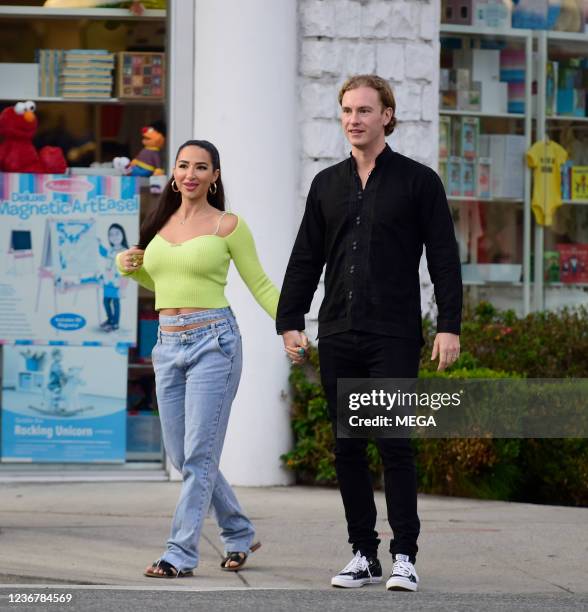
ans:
(193, 274)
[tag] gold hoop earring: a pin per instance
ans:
(174, 187)
(215, 188)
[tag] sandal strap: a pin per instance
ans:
(168, 568)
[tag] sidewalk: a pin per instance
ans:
(106, 533)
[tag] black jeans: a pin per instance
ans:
(365, 355)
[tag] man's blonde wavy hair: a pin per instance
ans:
(383, 89)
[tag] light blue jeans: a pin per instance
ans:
(197, 373)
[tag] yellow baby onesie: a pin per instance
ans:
(546, 158)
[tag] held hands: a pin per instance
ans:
(132, 259)
(295, 343)
(446, 347)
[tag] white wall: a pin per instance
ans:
(246, 104)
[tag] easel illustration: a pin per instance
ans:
(20, 252)
(69, 259)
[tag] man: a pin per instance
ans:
(368, 218)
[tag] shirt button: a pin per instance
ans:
(183, 337)
(350, 295)
(357, 220)
(354, 246)
(351, 270)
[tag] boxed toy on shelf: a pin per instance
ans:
(572, 84)
(475, 77)
(468, 177)
(563, 15)
(444, 137)
(573, 266)
(457, 12)
(454, 176)
(484, 177)
(461, 168)
(141, 75)
(579, 182)
(491, 14)
(470, 133)
(507, 155)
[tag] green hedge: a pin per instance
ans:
(499, 345)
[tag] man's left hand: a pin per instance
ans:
(446, 347)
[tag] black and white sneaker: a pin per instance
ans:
(404, 576)
(359, 571)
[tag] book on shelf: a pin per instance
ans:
(76, 68)
(50, 61)
(89, 55)
(566, 176)
(84, 79)
(87, 94)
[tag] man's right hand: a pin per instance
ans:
(294, 340)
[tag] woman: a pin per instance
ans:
(184, 252)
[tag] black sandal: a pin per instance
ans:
(169, 571)
(237, 557)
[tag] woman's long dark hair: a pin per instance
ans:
(170, 200)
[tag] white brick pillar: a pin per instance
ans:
(397, 39)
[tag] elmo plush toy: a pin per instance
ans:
(18, 125)
(148, 160)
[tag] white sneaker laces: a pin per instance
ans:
(357, 564)
(402, 568)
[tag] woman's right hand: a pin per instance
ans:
(131, 260)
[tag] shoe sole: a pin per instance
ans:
(401, 585)
(354, 584)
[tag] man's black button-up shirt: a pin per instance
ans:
(371, 241)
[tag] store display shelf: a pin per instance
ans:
(516, 33)
(460, 113)
(451, 198)
(520, 284)
(579, 37)
(492, 284)
(566, 118)
(40, 12)
(579, 202)
(149, 102)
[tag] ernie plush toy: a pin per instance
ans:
(18, 125)
(148, 161)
